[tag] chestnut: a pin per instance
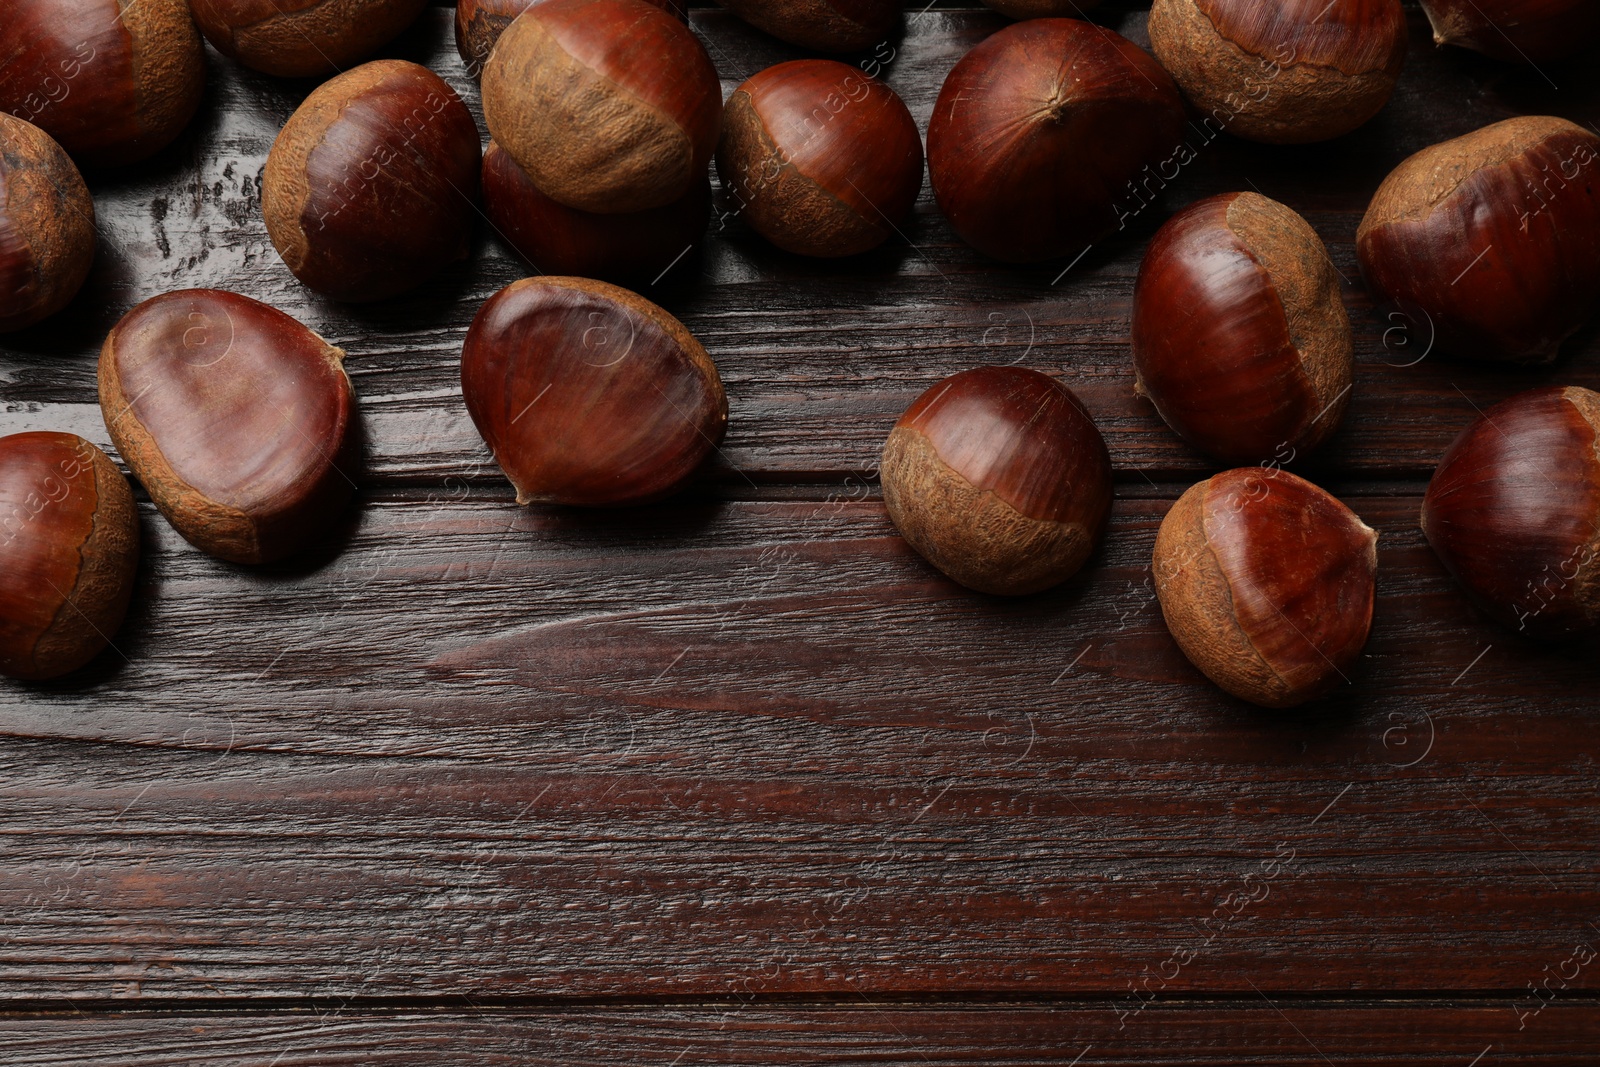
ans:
(235, 417)
(69, 545)
(113, 82)
(558, 239)
(1040, 9)
(1514, 512)
(46, 226)
(1287, 72)
(1240, 338)
(610, 106)
(301, 38)
(821, 159)
(999, 478)
(826, 25)
(1516, 31)
(479, 24)
(1494, 236)
(589, 394)
(1267, 583)
(1039, 129)
(369, 188)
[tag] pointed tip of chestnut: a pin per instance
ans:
(69, 548)
(999, 478)
(1516, 31)
(47, 228)
(826, 25)
(303, 39)
(237, 419)
(1267, 584)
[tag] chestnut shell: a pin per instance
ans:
(826, 25)
(1517, 31)
(69, 547)
(479, 24)
(47, 231)
(302, 38)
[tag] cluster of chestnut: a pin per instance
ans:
(605, 117)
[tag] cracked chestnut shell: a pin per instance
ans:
(479, 24)
(826, 25)
(46, 226)
(301, 38)
(589, 394)
(999, 478)
(1513, 511)
(608, 105)
(819, 158)
(1286, 72)
(1240, 337)
(1495, 236)
(237, 419)
(370, 185)
(1267, 584)
(1516, 31)
(69, 546)
(113, 81)
(1039, 132)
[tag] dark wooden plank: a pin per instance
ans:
(819, 357)
(726, 748)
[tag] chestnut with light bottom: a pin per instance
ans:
(1039, 132)
(825, 25)
(999, 478)
(479, 24)
(1267, 584)
(369, 188)
(69, 547)
(47, 232)
(301, 38)
(237, 419)
(1285, 72)
(609, 106)
(819, 158)
(1513, 511)
(112, 81)
(1493, 237)
(589, 394)
(1240, 338)
(1517, 31)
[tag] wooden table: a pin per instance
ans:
(738, 778)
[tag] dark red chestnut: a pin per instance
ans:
(1267, 584)
(479, 24)
(1240, 338)
(369, 187)
(237, 419)
(999, 478)
(1516, 31)
(1514, 512)
(558, 239)
(112, 81)
(1041, 9)
(609, 105)
(301, 38)
(1286, 72)
(826, 25)
(46, 226)
(820, 159)
(69, 544)
(589, 394)
(1495, 236)
(1038, 132)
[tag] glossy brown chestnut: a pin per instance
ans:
(1041, 9)
(609, 105)
(479, 24)
(46, 226)
(1494, 237)
(558, 239)
(1267, 584)
(69, 544)
(1514, 512)
(1039, 132)
(1240, 338)
(301, 38)
(369, 187)
(999, 478)
(1516, 31)
(589, 394)
(820, 159)
(113, 82)
(1286, 72)
(826, 25)
(235, 417)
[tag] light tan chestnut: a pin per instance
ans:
(46, 226)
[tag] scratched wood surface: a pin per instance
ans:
(737, 779)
